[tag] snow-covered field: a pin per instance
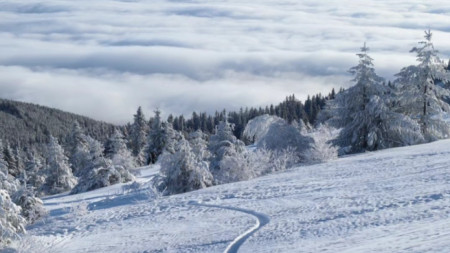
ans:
(397, 200)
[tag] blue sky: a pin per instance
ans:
(104, 58)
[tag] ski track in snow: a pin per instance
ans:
(261, 221)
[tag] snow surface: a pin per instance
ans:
(396, 200)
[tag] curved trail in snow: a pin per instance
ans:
(261, 220)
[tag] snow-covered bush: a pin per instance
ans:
(258, 127)
(102, 177)
(11, 221)
(183, 171)
(322, 149)
(274, 133)
(264, 161)
(228, 162)
(59, 175)
(32, 207)
(234, 167)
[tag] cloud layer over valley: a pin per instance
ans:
(104, 58)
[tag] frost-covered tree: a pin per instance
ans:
(322, 149)
(228, 161)
(78, 146)
(199, 145)
(34, 171)
(32, 208)
(223, 143)
(96, 155)
(138, 136)
(157, 137)
(11, 221)
(350, 106)
(7, 181)
(364, 114)
(116, 150)
(101, 171)
(183, 171)
(11, 161)
(419, 96)
(59, 175)
(3, 163)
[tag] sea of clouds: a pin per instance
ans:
(104, 58)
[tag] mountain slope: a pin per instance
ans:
(396, 200)
(27, 123)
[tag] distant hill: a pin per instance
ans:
(29, 124)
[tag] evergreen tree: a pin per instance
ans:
(138, 136)
(34, 171)
(156, 138)
(11, 160)
(363, 113)
(78, 148)
(227, 163)
(59, 175)
(3, 163)
(419, 96)
(118, 152)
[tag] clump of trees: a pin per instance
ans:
(373, 115)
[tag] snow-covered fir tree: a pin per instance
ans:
(3, 163)
(228, 161)
(363, 112)
(156, 138)
(59, 175)
(96, 155)
(419, 96)
(78, 146)
(34, 171)
(199, 145)
(11, 160)
(116, 150)
(7, 181)
(138, 136)
(351, 106)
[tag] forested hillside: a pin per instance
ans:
(28, 124)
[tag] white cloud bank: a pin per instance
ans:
(104, 58)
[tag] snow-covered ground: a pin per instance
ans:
(396, 200)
